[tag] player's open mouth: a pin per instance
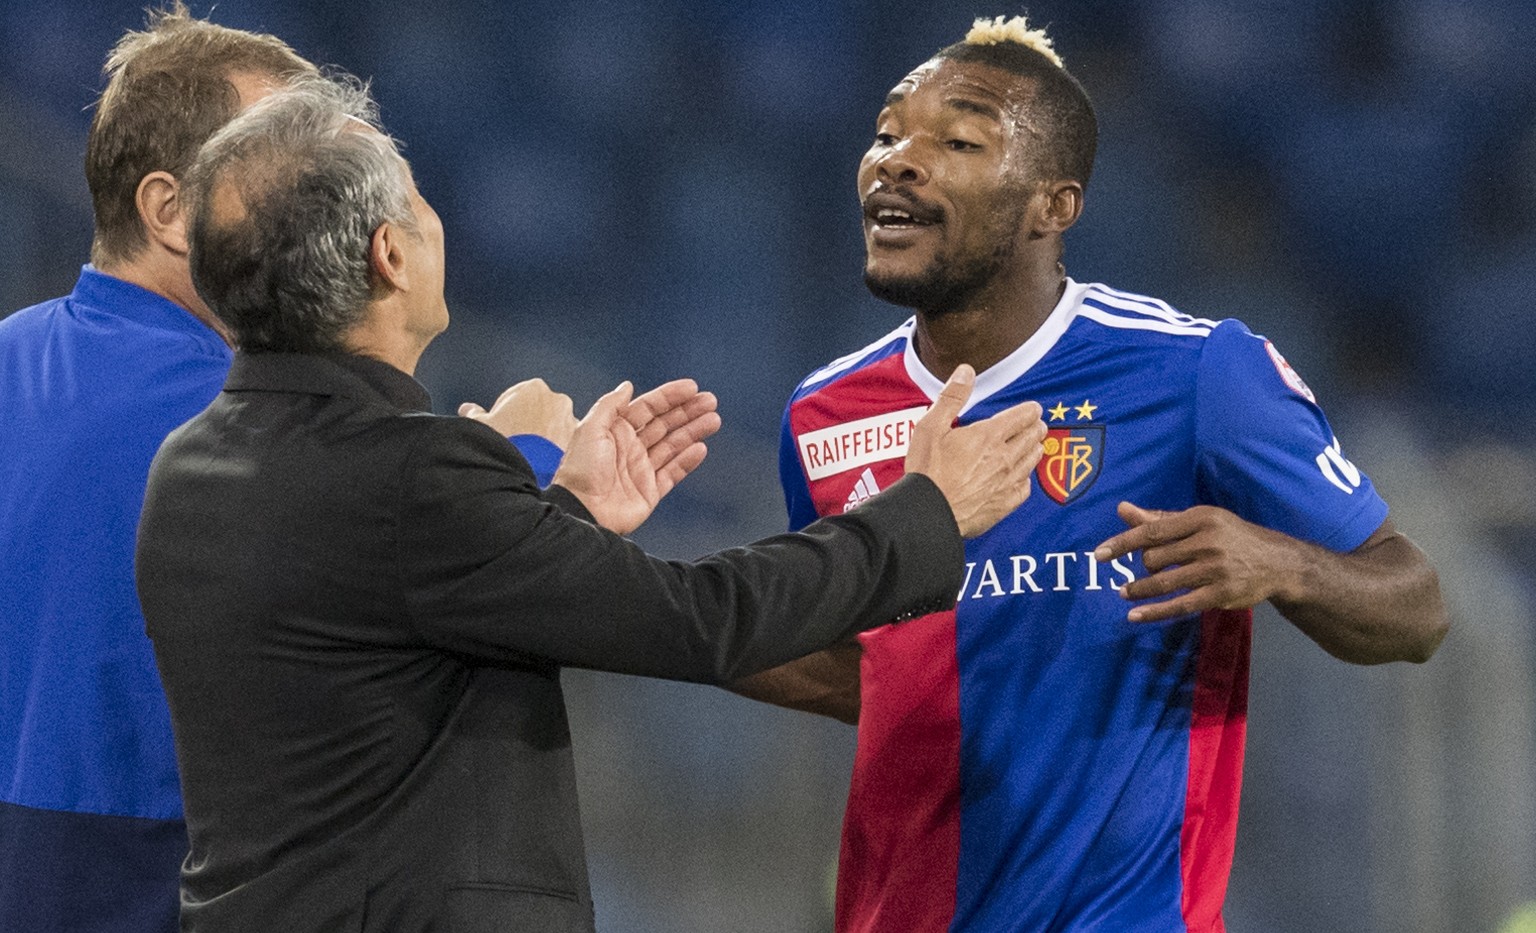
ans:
(894, 219)
(891, 217)
(890, 209)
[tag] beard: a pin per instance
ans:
(949, 283)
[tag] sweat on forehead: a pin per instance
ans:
(1049, 100)
(975, 80)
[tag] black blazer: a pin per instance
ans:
(360, 612)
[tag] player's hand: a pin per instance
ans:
(1206, 555)
(620, 471)
(530, 407)
(983, 469)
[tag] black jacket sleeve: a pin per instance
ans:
(494, 570)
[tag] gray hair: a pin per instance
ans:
(283, 203)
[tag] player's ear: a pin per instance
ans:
(1062, 204)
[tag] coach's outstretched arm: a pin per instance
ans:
(1380, 602)
(827, 683)
(620, 473)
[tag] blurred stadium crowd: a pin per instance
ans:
(661, 189)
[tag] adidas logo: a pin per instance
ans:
(863, 489)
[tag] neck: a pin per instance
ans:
(171, 280)
(997, 321)
(378, 336)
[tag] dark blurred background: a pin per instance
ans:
(662, 189)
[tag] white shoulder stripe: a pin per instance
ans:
(1143, 323)
(1138, 304)
(846, 362)
(1131, 296)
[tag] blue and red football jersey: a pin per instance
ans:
(1032, 760)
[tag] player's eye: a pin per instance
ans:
(885, 139)
(961, 145)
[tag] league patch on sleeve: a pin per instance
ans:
(1289, 374)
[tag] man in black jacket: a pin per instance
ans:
(360, 611)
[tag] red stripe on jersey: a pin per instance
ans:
(877, 389)
(899, 863)
(1218, 726)
(900, 856)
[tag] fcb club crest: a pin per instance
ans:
(1071, 462)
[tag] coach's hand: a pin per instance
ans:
(628, 453)
(530, 407)
(983, 469)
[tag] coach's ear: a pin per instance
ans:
(158, 200)
(386, 257)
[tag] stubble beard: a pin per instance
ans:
(947, 284)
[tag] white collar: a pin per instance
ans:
(1007, 370)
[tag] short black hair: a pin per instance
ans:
(1060, 104)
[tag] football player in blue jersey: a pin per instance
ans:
(1063, 751)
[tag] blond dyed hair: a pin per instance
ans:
(1013, 29)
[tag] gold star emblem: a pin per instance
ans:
(1059, 413)
(1085, 411)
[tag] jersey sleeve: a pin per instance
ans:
(1265, 451)
(542, 454)
(797, 493)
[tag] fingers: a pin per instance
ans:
(1024, 443)
(671, 421)
(677, 468)
(1169, 580)
(607, 408)
(1018, 428)
(1021, 420)
(1184, 605)
(956, 392)
(663, 398)
(1031, 452)
(529, 407)
(1200, 558)
(1194, 590)
(670, 407)
(675, 442)
(1020, 431)
(696, 417)
(1135, 516)
(1148, 527)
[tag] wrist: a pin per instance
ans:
(542, 454)
(1294, 570)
